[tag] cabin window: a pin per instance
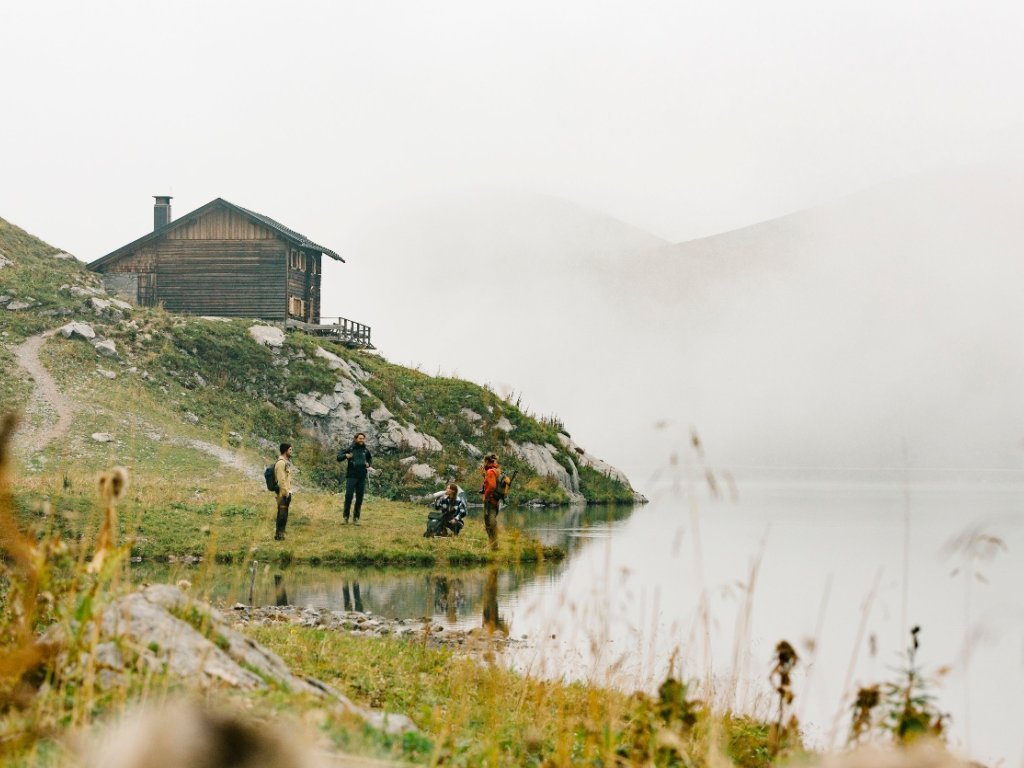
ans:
(296, 307)
(298, 261)
(314, 265)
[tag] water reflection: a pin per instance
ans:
(492, 620)
(455, 597)
(280, 593)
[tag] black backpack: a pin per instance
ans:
(271, 478)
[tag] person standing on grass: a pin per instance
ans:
(491, 504)
(359, 461)
(283, 476)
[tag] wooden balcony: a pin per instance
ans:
(341, 329)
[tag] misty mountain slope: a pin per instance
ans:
(882, 325)
(840, 332)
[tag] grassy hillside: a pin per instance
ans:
(184, 378)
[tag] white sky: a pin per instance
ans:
(683, 119)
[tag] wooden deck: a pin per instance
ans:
(341, 329)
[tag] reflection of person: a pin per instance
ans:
(492, 620)
(491, 504)
(359, 461)
(447, 597)
(283, 476)
(280, 593)
(350, 596)
(452, 506)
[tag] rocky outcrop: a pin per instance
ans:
(340, 414)
(588, 460)
(541, 459)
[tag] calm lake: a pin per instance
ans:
(841, 568)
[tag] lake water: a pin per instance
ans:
(841, 568)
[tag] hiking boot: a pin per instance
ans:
(278, 537)
(356, 521)
(344, 521)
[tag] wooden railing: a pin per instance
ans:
(341, 328)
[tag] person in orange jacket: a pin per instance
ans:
(491, 504)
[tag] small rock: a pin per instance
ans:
(105, 347)
(5, 262)
(423, 472)
(102, 437)
(106, 374)
(504, 425)
(15, 306)
(407, 461)
(64, 256)
(191, 418)
(268, 335)
(234, 439)
(78, 330)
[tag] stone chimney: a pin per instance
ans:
(161, 211)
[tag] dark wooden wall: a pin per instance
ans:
(227, 265)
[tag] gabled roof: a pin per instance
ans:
(291, 235)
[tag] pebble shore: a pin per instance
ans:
(369, 624)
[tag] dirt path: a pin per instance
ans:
(56, 410)
(46, 400)
(226, 457)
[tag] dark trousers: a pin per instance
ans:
(354, 486)
(282, 513)
(491, 522)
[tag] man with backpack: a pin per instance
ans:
(283, 480)
(359, 461)
(492, 498)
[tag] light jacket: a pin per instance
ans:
(283, 475)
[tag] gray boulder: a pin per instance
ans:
(268, 335)
(105, 347)
(78, 331)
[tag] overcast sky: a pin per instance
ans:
(682, 119)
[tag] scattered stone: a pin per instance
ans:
(234, 439)
(191, 418)
(105, 347)
(64, 256)
(470, 415)
(81, 292)
(268, 335)
(471, 449)
(99, 306)
(5, 262)
(213, 319)
(78, 330)
(504, 425)
(102, 437)
(106, 374)
(5, 298)
(16, 306)
(423, 472)
(124, 306)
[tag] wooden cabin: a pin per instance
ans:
(226, 261)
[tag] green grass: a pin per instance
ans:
(475, 713)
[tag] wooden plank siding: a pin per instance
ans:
(222, 262)
(221, 225)
(227, 278)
